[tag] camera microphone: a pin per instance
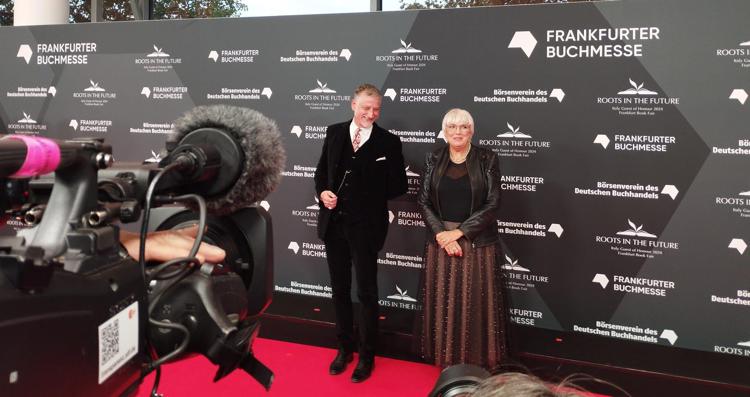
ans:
(231, 156)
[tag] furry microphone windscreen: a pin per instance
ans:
(260, 141)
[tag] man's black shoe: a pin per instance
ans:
(338, 365)
(363, 369)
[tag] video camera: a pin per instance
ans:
(78, 315)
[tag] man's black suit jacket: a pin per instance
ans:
(383, 171)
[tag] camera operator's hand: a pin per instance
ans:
(170, 244)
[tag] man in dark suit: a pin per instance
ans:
(360, 169)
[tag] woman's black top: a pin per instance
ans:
(454, 193)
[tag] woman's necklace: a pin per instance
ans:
(458, 160)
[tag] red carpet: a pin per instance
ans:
(299, 370)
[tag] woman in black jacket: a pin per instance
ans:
(464, 318)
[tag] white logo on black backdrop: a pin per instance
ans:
(620, 42)
(240, 93)
(629, 332)
(94, 95)
(416, 95)
(636, 143)
(300, 171)
(529, 229)
(158, 60)
(520, 277)
(156, 157)
(26, 125)
(515, 143)
(24, 51)
(733, 350)
(638, 101)
(403, 300)
(400, 260)
(293, 246)
(738, 244)
(158, 53)
(528, 95)
(413, 181)
(635, 285)
(524, 316)
(521, 183)
(525, 41)
(308, 215)
(315, 250)
(75, 53)
(265, 205)
(739, 205)
(739, 94)
(407, 218)
(637, 242)
(244, 55)
(742, 297)
(406, 58)
(85, 125)
(296, 287)
(738, 54)
(628, 191)
(165, 93)
(147, 127)
(312, 56)
(416, 136)
(322, 97)
(32, 92)
(310, 131)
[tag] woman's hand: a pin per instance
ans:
(453, 249)
(166, 245)
(447, 237)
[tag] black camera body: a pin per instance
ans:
(79, 316)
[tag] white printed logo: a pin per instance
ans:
(390, 93)
(558, 94)
(146, 92)
(671, 191)
(94, 87)
(636, 231)
(346, 54)
(740, 95)
(636, 89)
(406, 49)
(296, 130)
(321, 88)
(27, 119)
(556, 228)
(601, 279)
(513, 132)
(669, 335)
(294, 247)
(738, 244)
(315, 206)
(745, 344)
(213, 55)
(410, 173)
(24, 51)
(513, 265)
(602, 140)
(265, 205)
(155, 157)
(401, 295)
(391, 216)
(73, 123)
(525, 41)
(52, 90)
(158, 53)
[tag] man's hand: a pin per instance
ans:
(165, 245)
(453, 249)
(329, 199)
(447, 237)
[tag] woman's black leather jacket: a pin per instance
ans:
(483, 166)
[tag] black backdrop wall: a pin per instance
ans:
(621, 128)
